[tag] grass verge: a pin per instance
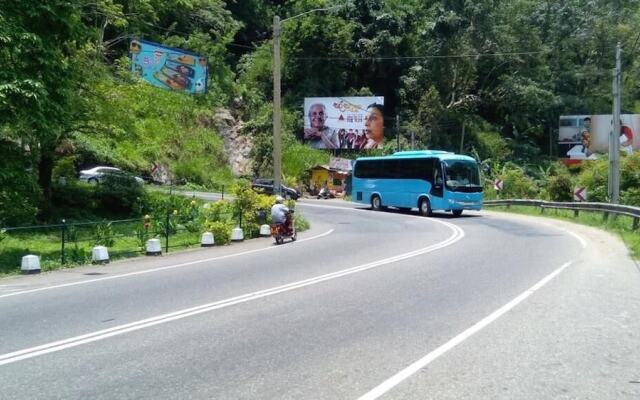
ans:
(618, 224)
(47, 244)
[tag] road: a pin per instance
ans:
(364, 305)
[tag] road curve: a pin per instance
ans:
(372, 305)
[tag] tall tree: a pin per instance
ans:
(43, 60)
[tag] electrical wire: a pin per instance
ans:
(419, 57)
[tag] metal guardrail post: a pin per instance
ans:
(222, 192)
(605, 208)
(63, 232)
(166, 233)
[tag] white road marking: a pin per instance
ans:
(31, 352)
(429, 358)
(147, 271)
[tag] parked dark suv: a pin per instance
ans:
(266, 186)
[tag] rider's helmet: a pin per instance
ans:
(279, 199)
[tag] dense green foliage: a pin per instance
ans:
(505, 70)
(181, 218)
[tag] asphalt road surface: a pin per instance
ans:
(364, 305)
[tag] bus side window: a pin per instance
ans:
(438, 175)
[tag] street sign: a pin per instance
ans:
(498, 184)
(580, 194)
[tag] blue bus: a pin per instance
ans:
(427, 179)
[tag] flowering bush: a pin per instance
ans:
(221, 232)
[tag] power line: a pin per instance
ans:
(189, 34)
(419, 57)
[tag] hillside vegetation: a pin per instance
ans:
(505, 70)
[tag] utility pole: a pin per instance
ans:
(462, 139)
(277, 142)
(397, 132)
(277, 104)
(614, 136)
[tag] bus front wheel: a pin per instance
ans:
(424, 207)
(457, 213)
(376, 204)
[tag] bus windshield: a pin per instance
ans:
(461, 173)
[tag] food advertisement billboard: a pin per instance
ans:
(169, 68)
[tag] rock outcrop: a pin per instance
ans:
(237, 146)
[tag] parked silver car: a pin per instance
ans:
(96, 174)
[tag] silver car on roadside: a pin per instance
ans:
(95, 175)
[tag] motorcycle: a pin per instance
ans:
(287, 230)
(324, 193)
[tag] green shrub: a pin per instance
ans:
(594, 176)
(65, 168)
(74, 199)
(251, 229)
(598, 194)
(301, 223)
(491, 145)
(630, 172)
(221, 232)
(631, 197)
(517, 185)
(120, 195)
(560, 188)
(249, 203)
(218, 211)
(19, 190)
(104, 235)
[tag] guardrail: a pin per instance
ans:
(604, 208)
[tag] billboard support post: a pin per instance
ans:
(614, 140)
(277, 141)
(397, 132)
(462, 139)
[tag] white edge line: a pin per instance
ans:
(19, 355)
(426, 360)
(147, 271)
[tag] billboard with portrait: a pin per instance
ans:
(585, 136)
(344, 122)
(169, 68)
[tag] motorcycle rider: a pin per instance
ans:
(280, 213)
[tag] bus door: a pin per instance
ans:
(437, 190)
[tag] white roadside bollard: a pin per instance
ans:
(207, 240)
(153, 247)
(265, 230)
(237, 235)
(100, 255)
(30, 264)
